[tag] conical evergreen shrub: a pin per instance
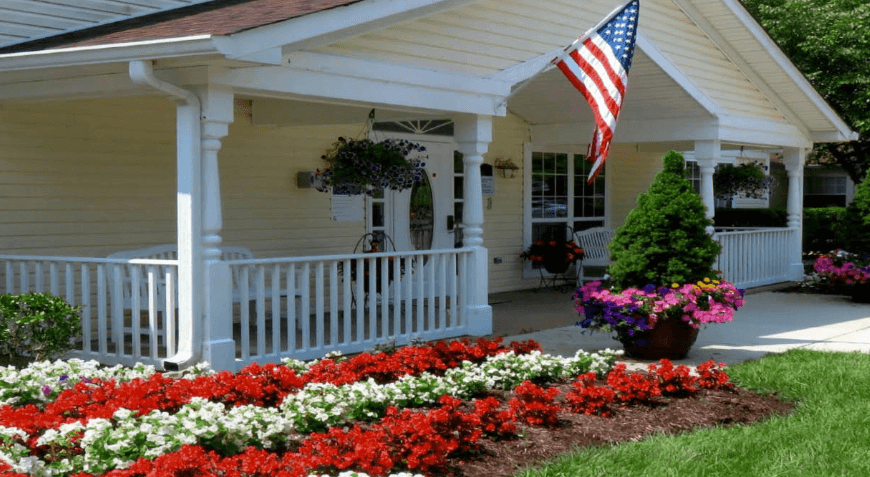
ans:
(663, 239)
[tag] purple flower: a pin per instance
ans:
(46, 390)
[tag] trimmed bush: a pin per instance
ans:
(663, 239)
(36, 326)
(824, 229)
(775, 217)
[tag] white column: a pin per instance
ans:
(188, 229)
(473, 134)
(794, 159)
(707, 154)
(218, 347)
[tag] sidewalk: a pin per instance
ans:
(770, 322)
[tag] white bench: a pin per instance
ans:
(594, 243)
(167, 252)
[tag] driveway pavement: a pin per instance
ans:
(770, 322)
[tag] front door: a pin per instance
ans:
(418, 218)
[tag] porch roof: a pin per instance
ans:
(705, 67)
(211, 17)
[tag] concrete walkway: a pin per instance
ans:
(770, 322)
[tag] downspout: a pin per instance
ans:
(188, 141)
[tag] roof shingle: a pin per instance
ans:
(219, 17)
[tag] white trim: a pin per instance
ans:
(95, 85)
(393, 72)
(846, 134)
(732, 129)
(336, 24)
(417, 91)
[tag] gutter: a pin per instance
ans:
(196, 45)
(188, 140)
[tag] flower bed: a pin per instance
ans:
(410, 411)
(843, 268)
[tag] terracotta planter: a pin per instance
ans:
(669, 339)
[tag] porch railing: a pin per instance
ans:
(128, 306)
(752, 257)
(307, 306)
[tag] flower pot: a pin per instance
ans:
(669, 339)
(556, 264)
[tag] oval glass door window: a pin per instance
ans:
(422, 217)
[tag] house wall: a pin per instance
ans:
(86, 178)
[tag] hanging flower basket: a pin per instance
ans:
(362, 166)
(748, 179)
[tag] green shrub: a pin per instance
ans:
(824, 229)
(775, 217)
(856, 223)
(36, 326)
(663, 239)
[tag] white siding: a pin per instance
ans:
(503, 212)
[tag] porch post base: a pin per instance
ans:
(479, 320)
(219, 348)
(220, 354)
(796, 271)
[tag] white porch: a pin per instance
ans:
(300, 307)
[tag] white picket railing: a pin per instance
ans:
(752, 257)
(128, 306)
(305, 307)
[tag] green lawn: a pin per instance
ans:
(827, 435)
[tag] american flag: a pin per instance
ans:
(598, 68)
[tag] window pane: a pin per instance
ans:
(561, 185)
(377, 214)
(458, 183)
(537, 162)
(562, 163)
(549, 162)
(587, 224)
(457, 162)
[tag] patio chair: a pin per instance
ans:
(594, 242)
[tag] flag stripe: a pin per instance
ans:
(598, 68)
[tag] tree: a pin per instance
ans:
(663, 239)
(828, 40)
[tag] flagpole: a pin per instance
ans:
(552, 63)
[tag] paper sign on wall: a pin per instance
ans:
(347, 208)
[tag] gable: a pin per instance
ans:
(486, 37)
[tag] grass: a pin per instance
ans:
(827, 435)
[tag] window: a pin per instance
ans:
(560, 198)
(825, 191)
(693, 173)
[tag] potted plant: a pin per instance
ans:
(657, 322)
(847, 271)
(356, 166)
(660, 290)
(749, 179)
(554, 255)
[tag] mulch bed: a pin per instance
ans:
(706, 409)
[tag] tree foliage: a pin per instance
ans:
(663, 239)
(829, 41)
